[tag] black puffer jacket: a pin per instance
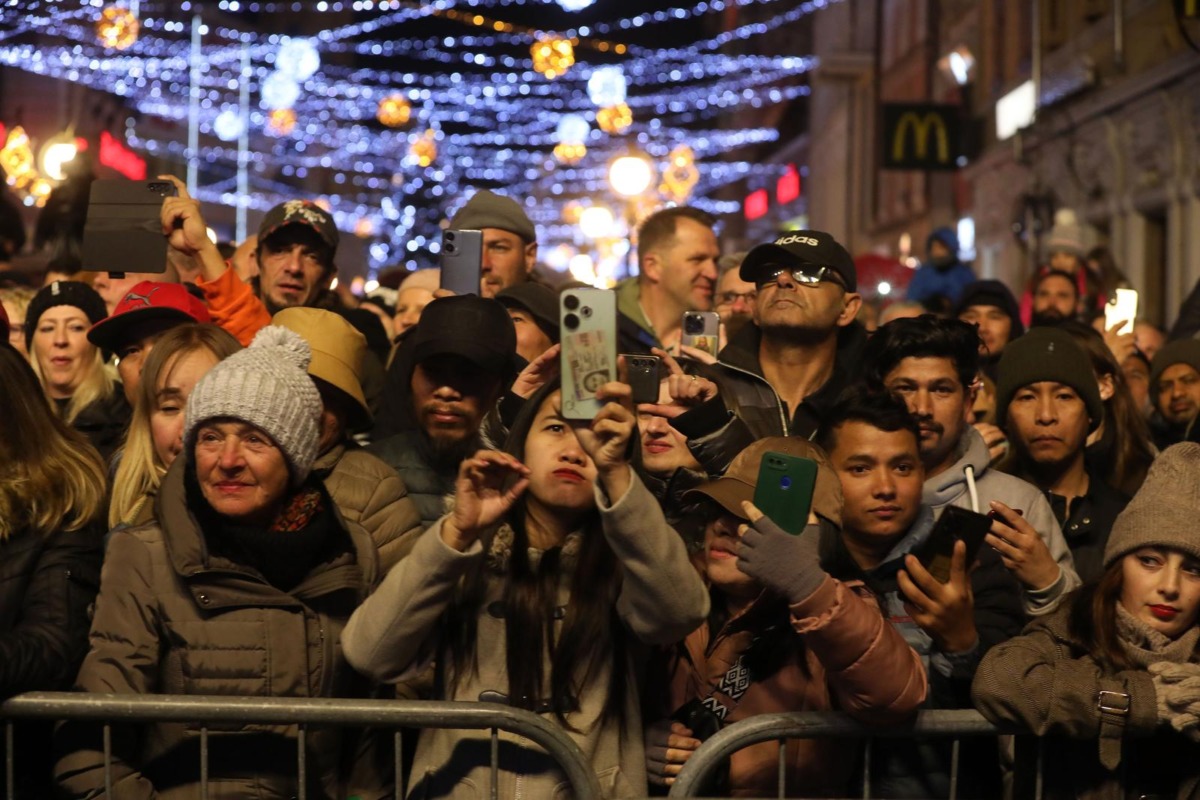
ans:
(748, 408)
(104, 422)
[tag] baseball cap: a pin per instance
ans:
(796, 248)
(538, 300)
(148, 302)
(738, 482)
(475, 328)
(300, 212)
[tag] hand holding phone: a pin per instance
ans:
(955, 524)
(1123, 308)
(784, 489)
(946, 611)
(642, 372)
(701, 331)
(588, 321)
(462, 261)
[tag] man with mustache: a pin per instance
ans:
(786, 367)
(1048, 399)
(1175, 392)
(931, 364)
(677, 272)
(458, 359)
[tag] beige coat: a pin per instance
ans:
(396, 632)
(369, 492)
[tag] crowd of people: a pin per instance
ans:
(231, 478)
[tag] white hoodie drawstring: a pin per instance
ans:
(969, 472)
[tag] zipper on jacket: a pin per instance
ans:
(783, 420)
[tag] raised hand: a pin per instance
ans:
(1021, 548)
(788, 565)
(182, 222)
(607, 439)
(946, 611)
(487, 486)
(686, 391)
(537, 373)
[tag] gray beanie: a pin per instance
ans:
(268, 386)
(1047, 354)
(1180, 351)
(1163, 513)
(490, 210)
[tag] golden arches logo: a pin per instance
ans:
(921, 125)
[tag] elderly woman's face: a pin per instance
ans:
(242, 472)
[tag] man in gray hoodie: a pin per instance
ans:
(932, 365)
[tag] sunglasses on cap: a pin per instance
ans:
(806, 274)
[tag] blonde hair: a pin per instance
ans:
(97, 384)
(51, 478)
(140, 471)
(18, 297)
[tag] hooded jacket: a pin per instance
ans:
(971, 483)
(831, 651)
(174, 617)
(401, 628)
(748, 409)
(931, 281)
(1045, 681)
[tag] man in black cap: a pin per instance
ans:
(992, 309)
(534, 311)
(786, 366)
(457, 360)
(509, 239)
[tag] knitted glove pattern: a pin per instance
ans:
(788, 565)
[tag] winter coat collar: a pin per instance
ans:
(972, 452)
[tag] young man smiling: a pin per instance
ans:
(931, 364)
(1049, 401)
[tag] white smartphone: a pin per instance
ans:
(588, 320)
(1122, 308)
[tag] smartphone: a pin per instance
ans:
(588, 321)
(462, 260)
(784, 490)
(701, 330)
(1123, 307)
(123, 228)
(643, 377)
(954, 524)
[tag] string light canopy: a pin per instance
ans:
(393, 111)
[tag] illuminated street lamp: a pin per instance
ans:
(630, 175)
(56, 152)
(596, 222)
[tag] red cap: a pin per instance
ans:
(168, 303)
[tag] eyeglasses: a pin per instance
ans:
(806, 274)
(729, 298)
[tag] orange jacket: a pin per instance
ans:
(234, 306)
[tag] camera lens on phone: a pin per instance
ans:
(586, 311)
(570, 302)
(570, 321)
(693, 325)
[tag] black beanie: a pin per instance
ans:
(63, 293)
(992, 293)
(1047, 354)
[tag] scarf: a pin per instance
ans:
(1144, 645)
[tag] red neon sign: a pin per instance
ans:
(756, 204)
(117, 156)
(787, 188)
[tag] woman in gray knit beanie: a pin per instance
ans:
(240, 585)
(1118, 661)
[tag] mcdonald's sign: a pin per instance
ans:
(924, 137)
(1189, 9)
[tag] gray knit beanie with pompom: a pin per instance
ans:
(266, 385)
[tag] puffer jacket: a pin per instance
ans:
(370, 493)
(174, 617)
(972, 473)
(748, 409)
(427, 487)
(1046, 682)
(833, 650)
(104, 421)
(401, 628)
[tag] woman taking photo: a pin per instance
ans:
(51, 527)
(70, 367)
(1112, 677)
(240, 586)
(553, 570)
(179, 359)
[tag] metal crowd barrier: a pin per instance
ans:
(114, 708)
(829, 724)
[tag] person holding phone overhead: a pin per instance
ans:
(784, 636)
(873, 444)
(542, 588)
(509, 240)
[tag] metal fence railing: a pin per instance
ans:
(823, 725)
(109, 709)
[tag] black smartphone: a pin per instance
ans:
(954, 524)
(643, 377)
(462, 260)
(123, 229)
(701, 330)
(784, 490)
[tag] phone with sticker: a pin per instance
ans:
(588, 321)
(701, 330)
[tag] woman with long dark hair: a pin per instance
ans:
(553, 570)
(52, 493)
(1112, 677)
